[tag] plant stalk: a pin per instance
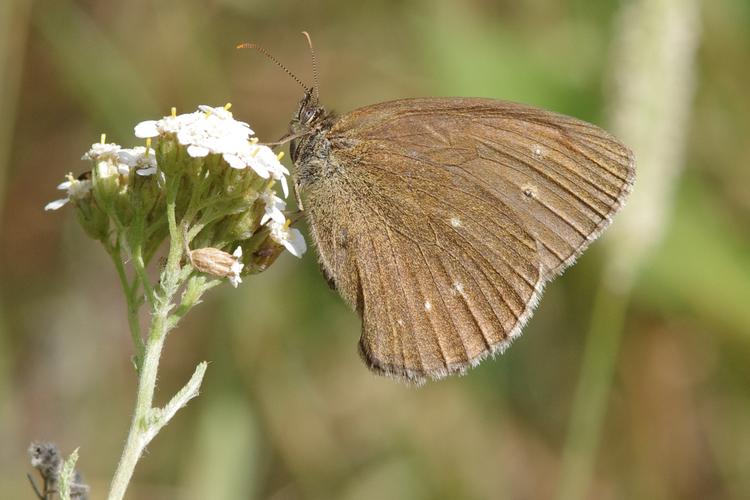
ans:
(147, 420)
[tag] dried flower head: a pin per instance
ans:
(45, 457)
(56, 474)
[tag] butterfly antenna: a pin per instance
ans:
(274, 60)
(316, 86)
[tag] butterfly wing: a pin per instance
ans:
(440, 220)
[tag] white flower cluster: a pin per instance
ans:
(77, 189)
(110, 160)
(209, 130)
(214, 131)
(281, 233)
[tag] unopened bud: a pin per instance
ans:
(218, 263)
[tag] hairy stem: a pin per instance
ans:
(147, 420)
(138, 437)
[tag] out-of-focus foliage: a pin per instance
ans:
(287, 410)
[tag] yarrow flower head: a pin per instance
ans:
(216, 173)
(274, 207)
(140, 158)
(112, 159)
(77, 189)
(289, 237)
(215, 131)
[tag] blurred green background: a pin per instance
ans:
(287, 410)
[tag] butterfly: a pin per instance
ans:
(440, 220)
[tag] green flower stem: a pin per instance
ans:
(169, 276)
(194, 290)
(199, 186)
(154, 239)
(133, 304)
(140, 269)
(147, 420)
(139, 263)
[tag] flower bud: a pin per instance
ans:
(93, 220)
(168, 155)
(218, 263)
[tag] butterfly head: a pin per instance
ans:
(309, 114)
(309, 125)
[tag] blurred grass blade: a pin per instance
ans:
(14, 23)
(112, 90)
(701, 229)
(225, 460)
(653, 56)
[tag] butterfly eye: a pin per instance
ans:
(309, 114)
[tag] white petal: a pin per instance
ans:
(134, 156)
(235, 280)
(295, 243)
(146, 129)
(236, 268)
(64, 185)
(234, 161)
(102, 169)
(146, 171)
(99, 150)
(237, 252)
(54, 205)
(197, 151)
(186, 135)
(123, 169)
(261, 170)
(276, 215)
(273, 214)
(79, 189)
(285, 187)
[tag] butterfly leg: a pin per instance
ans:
(297, 197)
(284, 139)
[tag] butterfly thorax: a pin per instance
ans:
(310, 149)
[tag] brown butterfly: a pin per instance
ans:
(440, 220)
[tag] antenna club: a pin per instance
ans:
(316, 86)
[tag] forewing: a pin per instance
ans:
(564, 178)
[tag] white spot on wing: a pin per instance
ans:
(455, 222)
(458, 288)
(427, 306)
(529, 191)
(537, 151)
